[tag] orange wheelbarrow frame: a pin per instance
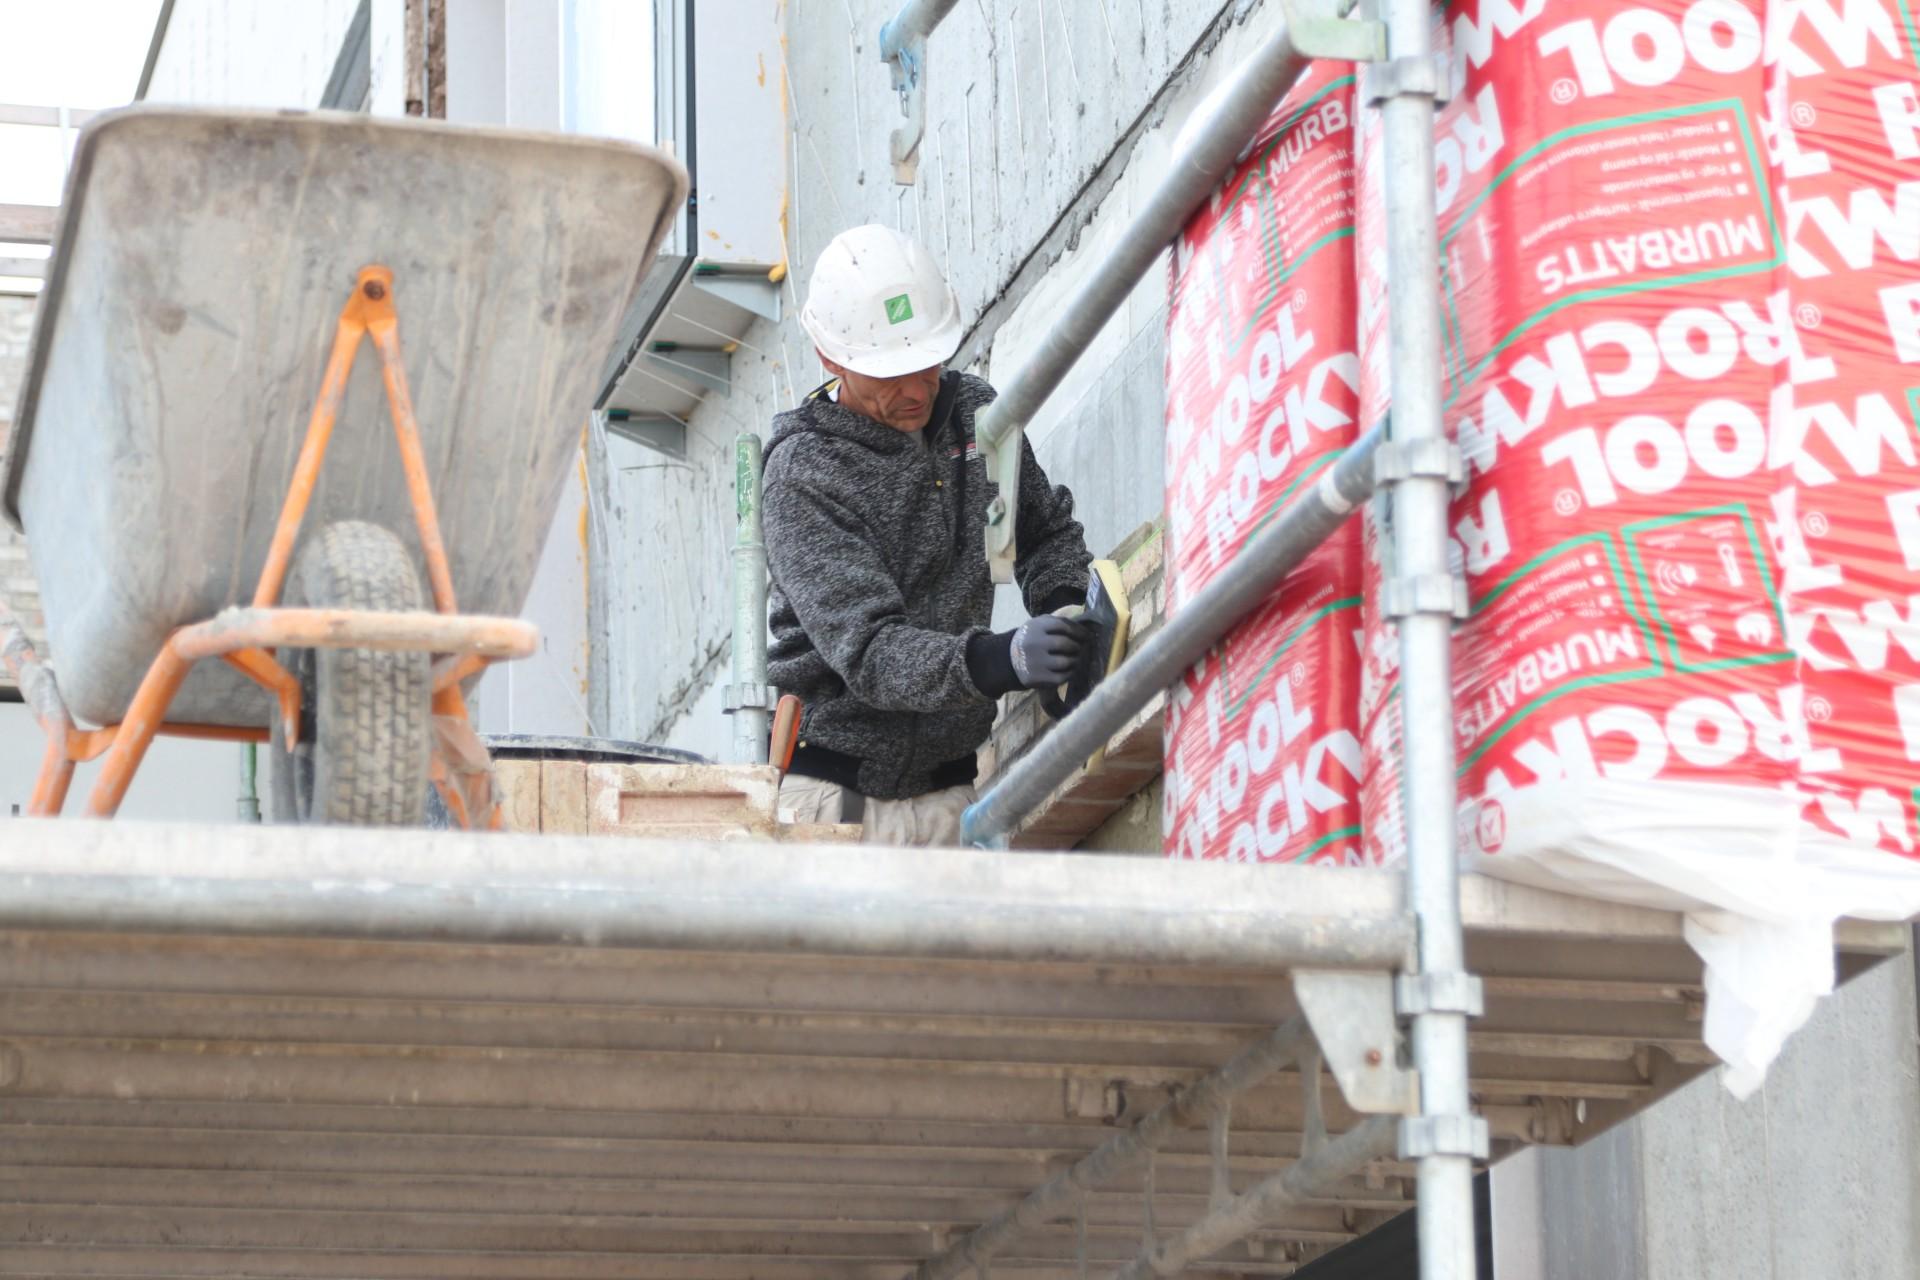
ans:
(243, 637)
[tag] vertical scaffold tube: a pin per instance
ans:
(1420, 503)
(751, 719)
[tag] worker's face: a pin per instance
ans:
(904, 403)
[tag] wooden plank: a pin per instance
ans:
(28, 223)
(659, 800)
(32, 268)
(819, 832)
(563, 797)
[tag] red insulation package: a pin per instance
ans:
(1682, 363)
(1263, 746)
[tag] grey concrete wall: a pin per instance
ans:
(1047, 124)
(1108, 445)
(669, 612)
(1813, 1178)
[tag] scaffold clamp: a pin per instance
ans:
(748, 697)
(1424, 593)
(1418, 993)
(1432, 458)
(1423, 1136)
(1423, 77)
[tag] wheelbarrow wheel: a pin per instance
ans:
(366, 729)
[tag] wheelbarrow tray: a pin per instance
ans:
(202, 261)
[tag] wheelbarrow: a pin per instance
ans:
(204, 470)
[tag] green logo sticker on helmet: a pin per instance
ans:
(899, 310)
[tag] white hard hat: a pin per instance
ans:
(879, 306)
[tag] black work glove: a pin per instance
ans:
(1042, 654)
(1046, 650)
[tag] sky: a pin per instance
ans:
(73, 53)
(62, 53)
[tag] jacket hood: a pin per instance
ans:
(818, 414)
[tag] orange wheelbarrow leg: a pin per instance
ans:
(313, 451)
(462, 772)
(383, 327)
(50, 785)
(142, 721)
(42, 695)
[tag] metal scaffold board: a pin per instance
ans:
(223, 1082)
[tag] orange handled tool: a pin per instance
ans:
(786, 731)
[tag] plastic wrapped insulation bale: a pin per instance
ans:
(1682, 362)
(1263, 747)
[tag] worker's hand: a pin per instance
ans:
(1045, 650)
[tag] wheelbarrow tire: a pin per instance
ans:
(367, 732)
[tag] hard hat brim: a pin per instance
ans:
(934, 348)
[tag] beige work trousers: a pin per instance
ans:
(931, 819)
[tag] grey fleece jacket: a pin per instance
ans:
(880, 584)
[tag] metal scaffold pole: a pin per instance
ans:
(1445, 1136)
(1233, 116)
(1268, 557)
(749, 699)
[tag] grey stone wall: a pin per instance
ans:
(1047, 124)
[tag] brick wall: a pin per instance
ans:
(1082, 806)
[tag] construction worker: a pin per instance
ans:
(875, 506)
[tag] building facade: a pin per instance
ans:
(1047, 123)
